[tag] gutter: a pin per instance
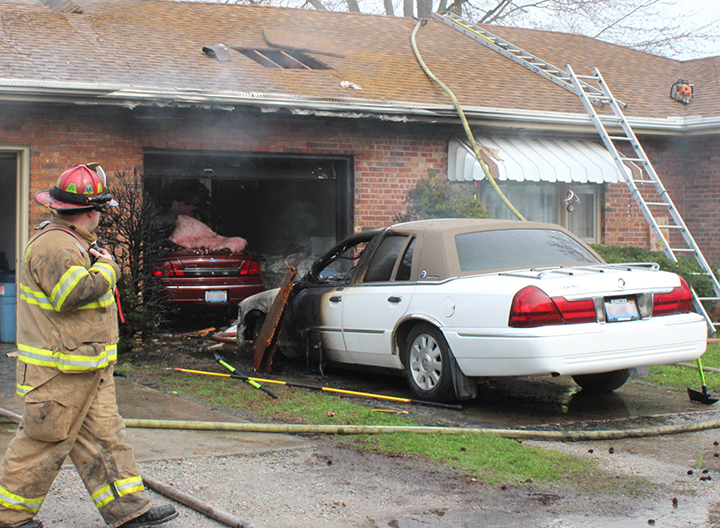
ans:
(131, 97)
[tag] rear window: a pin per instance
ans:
(519, 248)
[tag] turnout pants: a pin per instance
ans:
(76, 415)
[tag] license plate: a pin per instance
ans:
(212, 296)
(621, 309)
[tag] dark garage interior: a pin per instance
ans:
(281, 204)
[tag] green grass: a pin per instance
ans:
(676, 377)
(483, 457)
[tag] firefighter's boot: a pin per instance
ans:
(152, 517)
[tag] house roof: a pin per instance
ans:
(131, 51)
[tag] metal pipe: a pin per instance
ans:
(10, 415)
(196, 504)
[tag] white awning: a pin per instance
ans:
(547, 160)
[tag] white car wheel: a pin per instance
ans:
(427, 363)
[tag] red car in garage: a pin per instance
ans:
(200, 277)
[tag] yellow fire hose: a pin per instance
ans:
(612, 434)
(465, 123)
(421, 429)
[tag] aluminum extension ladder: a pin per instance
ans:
(593, 91)
(524, 58)
(645, 187)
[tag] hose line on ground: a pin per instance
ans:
(389, 429)
(612, 434)
(465, 124)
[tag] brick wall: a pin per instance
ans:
(389, 158)
(689, 170)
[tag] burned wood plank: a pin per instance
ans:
(266, 343)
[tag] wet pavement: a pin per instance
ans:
(504, 403)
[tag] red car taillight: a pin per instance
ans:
(679, 300)
(575, 312)
(532, 307)
(170, 268)
(250, 267)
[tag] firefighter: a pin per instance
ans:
(67, 346)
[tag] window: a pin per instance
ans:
(543, 202)
(383, 261)
(519, 248)
(285, 59)
(403, 273)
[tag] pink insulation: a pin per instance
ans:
(193, 234)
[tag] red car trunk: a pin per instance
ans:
(209, 278)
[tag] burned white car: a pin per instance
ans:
(450, 300)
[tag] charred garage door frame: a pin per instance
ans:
(280, 203)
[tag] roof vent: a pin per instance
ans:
(285, 59)
(218, 51)
(62, 6)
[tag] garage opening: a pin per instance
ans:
(281, 204)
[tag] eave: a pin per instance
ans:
(40, 91)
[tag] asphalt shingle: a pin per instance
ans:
(157, 45)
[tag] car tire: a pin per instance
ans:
(427, 364)
(253, 323)
(257, 323)
(603, 381)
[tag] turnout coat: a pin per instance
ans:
(67, 316)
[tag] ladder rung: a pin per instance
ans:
(670, 226)
(708, 298)
(620, 138)
(634, 159)
(587, 77)
(663, 204)
(684, 250)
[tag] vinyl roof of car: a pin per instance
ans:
(437, 254)
(470, 224)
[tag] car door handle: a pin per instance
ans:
(394, 299)
(335, 299)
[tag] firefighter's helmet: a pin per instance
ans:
(77, 190)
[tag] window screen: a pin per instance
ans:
(383, 261)
(519, 248)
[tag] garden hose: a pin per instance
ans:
(465, 124)
(643, 432)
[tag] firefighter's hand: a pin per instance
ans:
(101, 252)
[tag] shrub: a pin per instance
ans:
(433, 197)
(136, 235)
(686, 267)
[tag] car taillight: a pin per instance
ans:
(250, 267)
(679, 300)
(170, 268)
(574, 312)
(532, 307)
